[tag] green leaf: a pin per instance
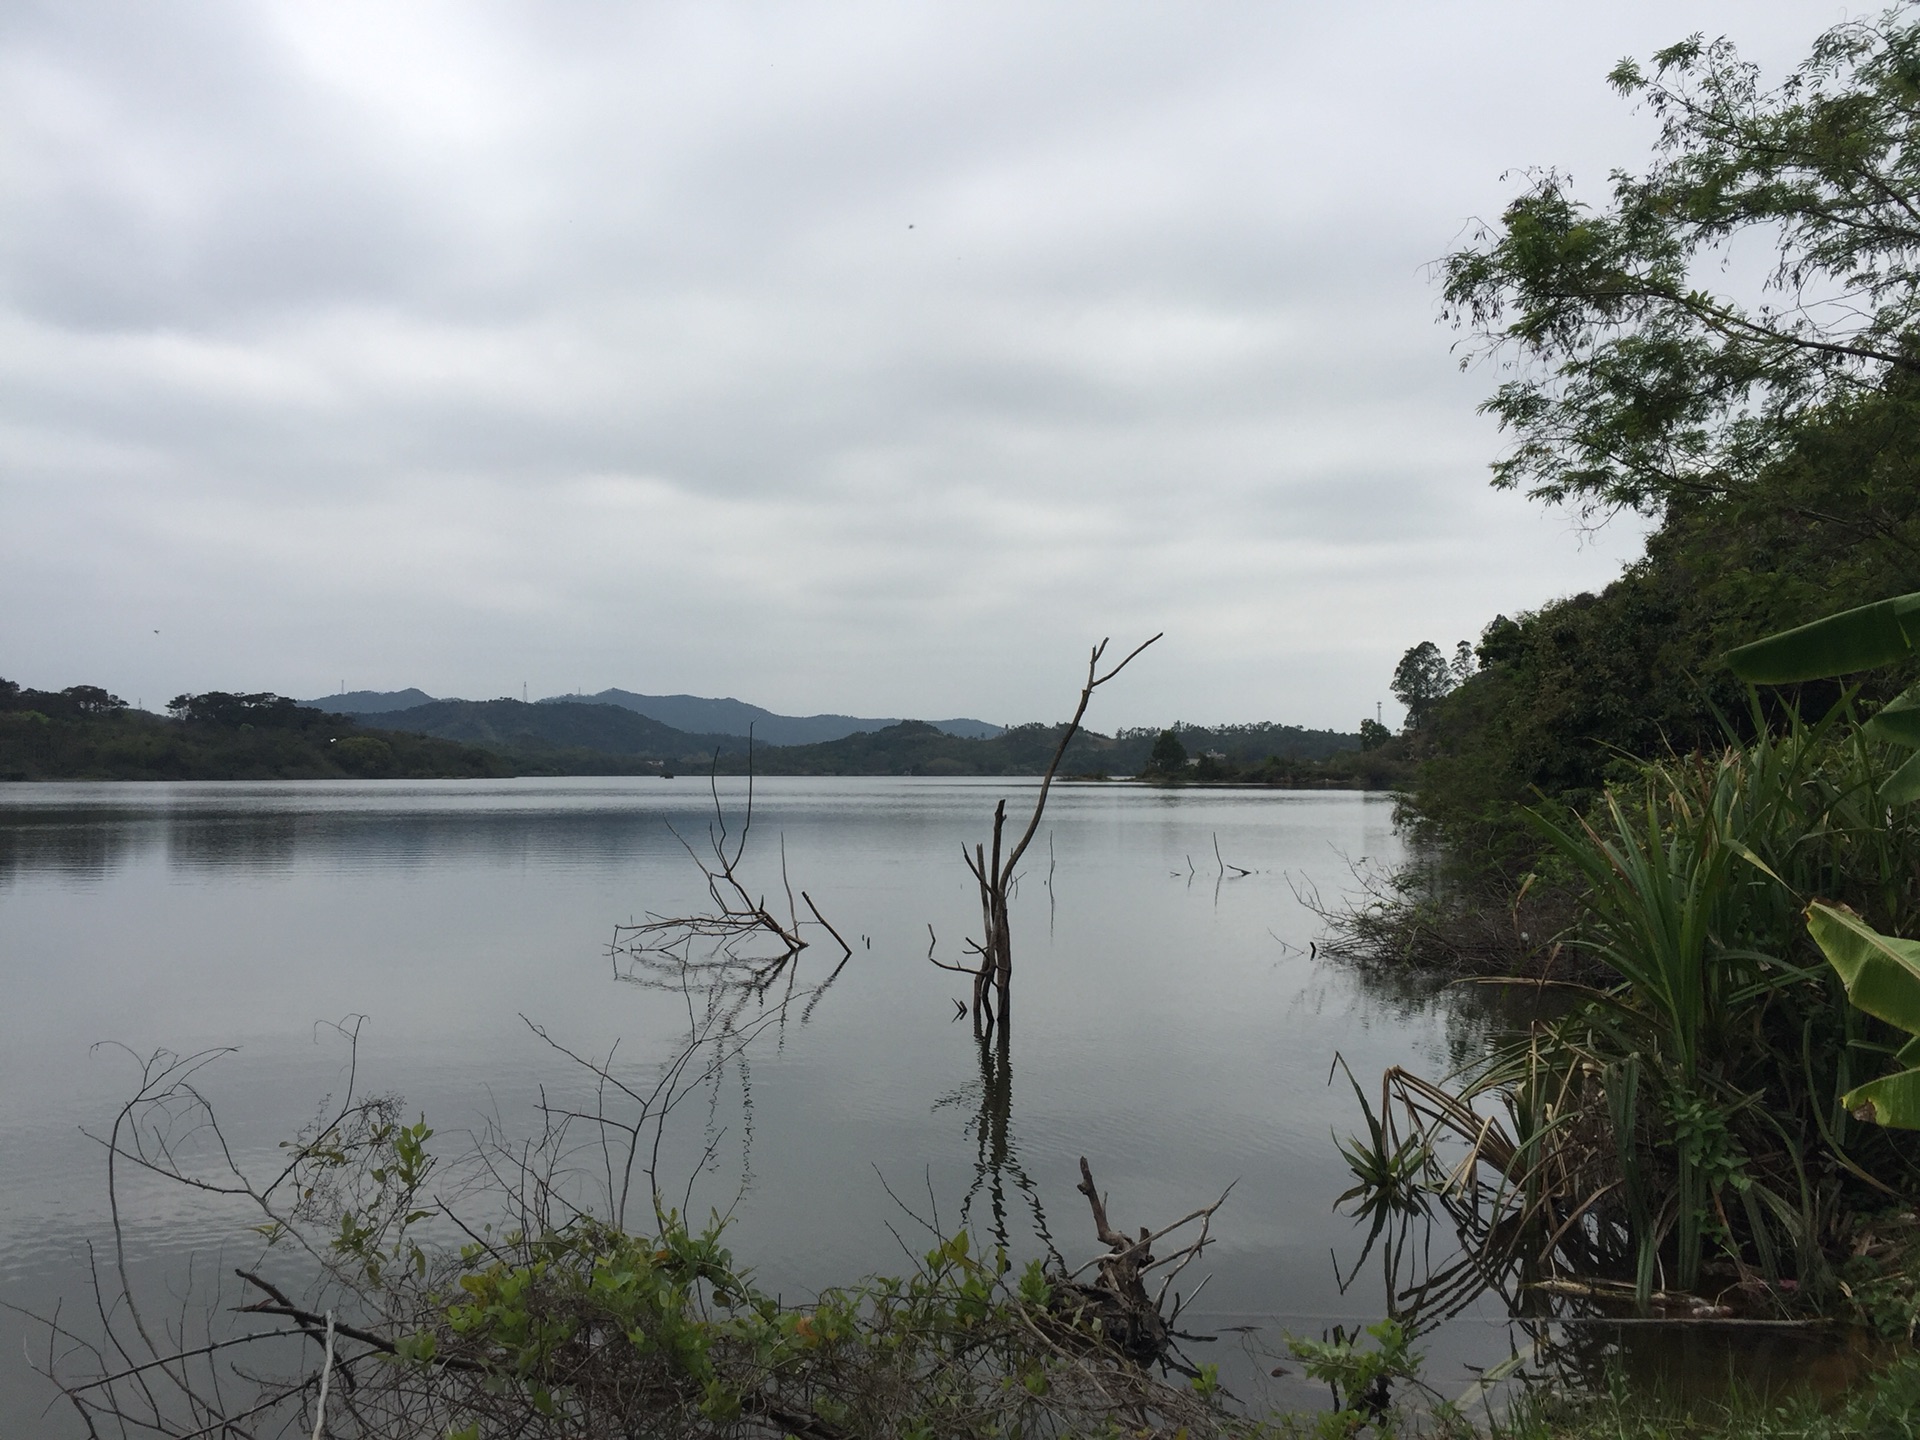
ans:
(1898, 722)
(1860, 639)
(1903, 786)
(1893, 1101)
(1882, 974)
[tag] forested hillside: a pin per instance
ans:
(578, 739)
(85, 733)
(1774, 436)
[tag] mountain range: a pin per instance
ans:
(370, 702)
(696, 715)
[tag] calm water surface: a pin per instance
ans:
(1169, 1022)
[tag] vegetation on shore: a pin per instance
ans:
(1187, 755)
(1882, 1405)
(1260, 754)
(1714, 878)
(1773, 438)
(83, 732)
(86, 733)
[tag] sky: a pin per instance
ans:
(871, 358)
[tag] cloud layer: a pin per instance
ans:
(861, 357)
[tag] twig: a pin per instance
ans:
(326, 1375)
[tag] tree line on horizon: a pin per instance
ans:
(86, 732)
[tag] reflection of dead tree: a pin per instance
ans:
(740, 947)
(993, 977)
(996, 1151)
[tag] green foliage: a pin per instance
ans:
(1882, 976)
(1572, 695)
(1169, 756)
(85, 733)
(587, 1329)
(1388, 1168)
(584, 1328)
(1883, 1405)
(916, 748)
(1859, 639)
(1421, 680)
(363, 755)
(265, 710)
(1863, 638)
(1778, 443)
(1692, 1107)
(1360, 1376)
(1632, 386)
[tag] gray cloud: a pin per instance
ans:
(867, 357)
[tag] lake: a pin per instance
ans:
(1170, 1022)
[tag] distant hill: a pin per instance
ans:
(370, 702)
(541, 732)
(915, 748)
(697, 714)
(84, 733)
(1246, 744)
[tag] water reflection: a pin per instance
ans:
(448, 913)
(996, 1156)
(48, 843)
(92, 844)
(197, 844)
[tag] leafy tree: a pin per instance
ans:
(1777, 441)
(1373, 734)
(263, 710)
(363, 755)
(1169, 756)
(1463, 664)
(1630, 384)
(1420, 681)
(92, 700)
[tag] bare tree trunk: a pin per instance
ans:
(995, 876)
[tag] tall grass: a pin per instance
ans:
(1678, 1130)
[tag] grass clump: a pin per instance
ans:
(1676, 1137)
(1884, 1406)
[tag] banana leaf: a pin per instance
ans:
(1893, 1102)
(1861, 639)
(1903, 786)
(1898, 722)
(1882, 978)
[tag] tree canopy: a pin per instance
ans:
(1421, 681)
(1773, 430)
(1630, 384)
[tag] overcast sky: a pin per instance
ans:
(858, 357)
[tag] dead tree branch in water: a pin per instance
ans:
(993, 976)
(739, 948)
(1118, 1297)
